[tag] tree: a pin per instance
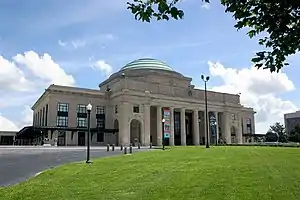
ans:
(279, 19)
(271, 136)
(280, 130)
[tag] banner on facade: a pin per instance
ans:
(167, 124)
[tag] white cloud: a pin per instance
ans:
(103, 67)
(22, 80)
(259, 89)
(61, 43)
(27, 116)
(206, 6)
(44, 68)
(12, 78)
(85, 41)
(7, 125)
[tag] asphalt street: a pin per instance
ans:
(20, 163)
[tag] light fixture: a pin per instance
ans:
(89, 107)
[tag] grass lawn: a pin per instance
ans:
(219, 173)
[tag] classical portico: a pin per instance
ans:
(188, 128)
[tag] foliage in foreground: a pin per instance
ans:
(180, 173)
(279, 19)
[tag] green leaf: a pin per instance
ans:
(251, 33)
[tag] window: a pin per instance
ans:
(248, 129)
(63, 107)
(81, 108)
(81, 122)
(248, 121)
(233, 117)
(116, 109)
(177, 123)
(46, 120)
(62, 121)
(136, 109)
(100, 110)
(100, 137)
(100, 123)
(40, 123)
(43, 120)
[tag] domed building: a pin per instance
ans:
(145, 102)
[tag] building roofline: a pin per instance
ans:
(64, 88)
(120, 74)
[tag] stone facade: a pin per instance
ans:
(134, 101)
(291, 120)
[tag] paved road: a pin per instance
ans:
(20, 163)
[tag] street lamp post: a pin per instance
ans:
(205, 79)
(88, 108)
(163, 125)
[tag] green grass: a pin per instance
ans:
(219, 173)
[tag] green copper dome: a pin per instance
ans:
(147, 63)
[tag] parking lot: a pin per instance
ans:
(20, 163)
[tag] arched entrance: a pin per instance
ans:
(116, 126)
(135, 132)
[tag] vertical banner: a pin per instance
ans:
(167, 124)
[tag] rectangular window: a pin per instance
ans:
(63, 107)
(248, 121)
(81, 108)
(46, 120)
(233, 117)
(100, 123)
(136, 109)
(249, 130)
(81, 122)
(177, 123)
(43, 120)
(116, 109)
(100, 110)
(62, 121)
(100, 137)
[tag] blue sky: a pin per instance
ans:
(106, 30)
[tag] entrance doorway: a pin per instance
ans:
(189, 128)
(135, 132)
(81, 138)
(61, 138)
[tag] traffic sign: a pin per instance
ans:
(167, 135)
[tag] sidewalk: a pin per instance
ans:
(64, 147)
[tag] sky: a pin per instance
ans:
(80, 43)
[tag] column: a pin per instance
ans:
(227, 127)
(182, 125)
(196, 134)
(124, 126)
(172, 136)
(239, 131)
(146, 125)
(217, 126)
(159, 125)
